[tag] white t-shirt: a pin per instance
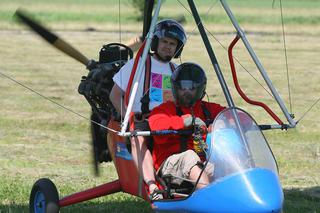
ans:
(160, 85)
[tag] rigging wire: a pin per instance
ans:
(217, 40)
(188, 36)
(197, 24)
(304, 114)
(287, 68)
(238, 61)
(120, 41)
(286, 57)
(54, 102)
(119, 17)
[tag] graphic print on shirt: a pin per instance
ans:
(160, 88)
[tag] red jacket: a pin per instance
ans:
(165, 117)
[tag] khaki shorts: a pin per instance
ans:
(179, 165)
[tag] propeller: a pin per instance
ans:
(51, 38)
(63, 46)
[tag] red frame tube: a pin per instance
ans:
(237, 86)
(105, 189)
(133, 72)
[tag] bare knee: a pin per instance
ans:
(194, 175)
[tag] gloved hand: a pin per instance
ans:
(187, 121)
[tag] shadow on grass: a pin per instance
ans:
(115, 206)
(90, 207)
(302, 200)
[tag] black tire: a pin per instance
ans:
(44, 197)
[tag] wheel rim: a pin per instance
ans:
(39, 203)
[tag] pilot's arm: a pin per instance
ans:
(117, 99)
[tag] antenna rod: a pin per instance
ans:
(258, 64)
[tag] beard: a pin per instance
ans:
(186, 100)
(164, 59)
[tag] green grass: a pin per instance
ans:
(39, 139)
(14, 194)
(100, 14)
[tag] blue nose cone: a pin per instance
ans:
(254, 191)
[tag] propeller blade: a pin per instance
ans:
(51, 37)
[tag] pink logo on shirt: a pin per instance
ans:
(156, 80)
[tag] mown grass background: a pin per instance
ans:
(39, 139)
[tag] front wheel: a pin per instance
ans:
(44, 197)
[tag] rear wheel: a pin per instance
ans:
(44, 197)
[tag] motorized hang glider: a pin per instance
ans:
(245, 175)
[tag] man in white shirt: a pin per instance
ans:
(154, 89)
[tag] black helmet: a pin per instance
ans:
(171, 29)
(188, 76)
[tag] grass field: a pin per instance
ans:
(39, 139)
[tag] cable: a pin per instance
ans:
(286, 57)
(56, 103)
(217, 40)
(120, 30)
(304, 114)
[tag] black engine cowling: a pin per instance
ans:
(96, 88)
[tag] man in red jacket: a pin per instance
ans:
(179, 155)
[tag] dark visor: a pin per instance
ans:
(187, 84)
